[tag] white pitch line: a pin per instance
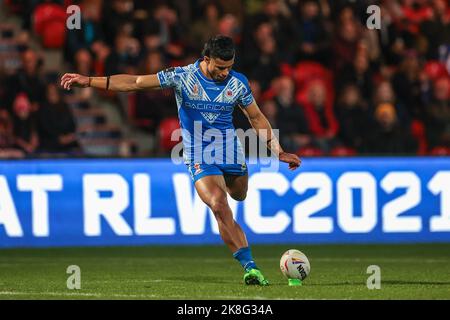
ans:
(74, 294)
(84, 294)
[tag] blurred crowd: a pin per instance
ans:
(330, 84)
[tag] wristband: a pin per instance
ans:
(107, 82)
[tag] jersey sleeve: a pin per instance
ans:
(168, 78)
(246, 96)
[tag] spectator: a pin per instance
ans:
(345, 44)
(294, 131)
(57, 130)
(392, 44)
(170, 31)
(387, 136)
(269, 109)
(85, 37)
(438, 114)
(83, 65)
(24, 123)
(7, 149)
(229, 26)
(353, 117)
(83, 62)
(152, 41)
(117, 16)
(207, 26)
(152, 106)
(408, 86)
(436, 31)
(358, 73)
(101, 53)
(384, 93)
(262, 61)
(320, 116)
(27, 80)
(125, 57)
(312, 36)
(275, 14)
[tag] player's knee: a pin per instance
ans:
(239, 196)
(219, 206)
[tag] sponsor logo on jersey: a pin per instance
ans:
(209, 106)
(197, 169)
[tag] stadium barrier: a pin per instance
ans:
(45, 203)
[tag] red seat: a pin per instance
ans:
(166, 128)
(47, 12)
(440, 151)
(15, 6)
(49, 21)
(435, 69)
(310, 152)
(54, 35)
(342, 151)
(308, 72)
(418, 133)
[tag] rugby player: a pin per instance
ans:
(207, 92)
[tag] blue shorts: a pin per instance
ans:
(200, 170)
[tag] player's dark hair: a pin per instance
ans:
(221, 47)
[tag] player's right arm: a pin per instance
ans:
(119, 82)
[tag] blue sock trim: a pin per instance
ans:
(244, 256)
(241, 250)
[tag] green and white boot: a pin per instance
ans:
(255, 277)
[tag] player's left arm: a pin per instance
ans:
(264, 131)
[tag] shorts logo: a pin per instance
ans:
(197, 168)
(243, 167)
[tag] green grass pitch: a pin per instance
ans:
(210, 272)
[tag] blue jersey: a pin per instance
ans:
(205, 109)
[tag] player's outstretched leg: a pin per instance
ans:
(212, 190)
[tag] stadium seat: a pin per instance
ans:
(99, 131)
(310, 152)
(99, 147)
(166, 127)
(342, 151)
(418, 133)
(307, 71)
(49, 21)
(16, 7)
(45, 13)
(435, 69)
(440, 151)
(287, 70)
(89, 117)
(310, 113)
(54, 35)
(9, 53)
(132, 114)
